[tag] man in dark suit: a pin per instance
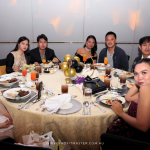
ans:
(42, 52)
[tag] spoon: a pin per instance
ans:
(83, 113)
(86, 104)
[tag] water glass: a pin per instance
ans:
(56, 66)
(114, 88)
(122, 78)
(44, 94)
(87, 94)
(107, 82)
(88, 65)
(108, 70)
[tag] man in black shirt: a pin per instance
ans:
(117, 57)
(42, 52)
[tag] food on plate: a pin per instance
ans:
(105, 76)
(12, 94)
(130, 85)
(3, 91)
(9, 81)
(28, 66)
(99, 65)
(110, 101)
(22, 93)
(128, 73)
(47, 64)
(48, 70)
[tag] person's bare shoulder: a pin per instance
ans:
(79, 50)
(144, 91)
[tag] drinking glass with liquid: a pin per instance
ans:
(107, 82)
(39, 69)
(108, 70)
(87, 94)
(114, 88)
(105, 60)
(64, 88)
(122, 79)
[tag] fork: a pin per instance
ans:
(40, 106)
(90, 109)
(83, 113)
(99, 107)
(33, 102)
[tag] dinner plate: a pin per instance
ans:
(101, 68)
(17, 89)
(76, 106)
(109, 96)
(127, 76)
(8, 78)
(8, 75)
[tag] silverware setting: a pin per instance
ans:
(100, 93)
(90, 109)
(88, 106)
(23, 105)
(83, 113)
(40, 106)
(99, 107)
(32, 103)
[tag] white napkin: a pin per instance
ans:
(2, 120)
(79, 86)
(54, 103)
(86, 72)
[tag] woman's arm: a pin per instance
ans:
(142, 121)
(132, 94)
(9, 63)
(95, 60)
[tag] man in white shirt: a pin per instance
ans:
(144, 47)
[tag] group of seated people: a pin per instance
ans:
(135, 124)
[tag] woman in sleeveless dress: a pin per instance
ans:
(19, 56)
(89, 49)
(135, 124)
(6, 124)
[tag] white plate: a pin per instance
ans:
(9, 75)
(17, 89)
(31, 85)
(127, 76)
(109, 96)
(129, 85)
(101, 68)
(9, 84)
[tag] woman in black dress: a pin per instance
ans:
(89, 49)
(19, 56)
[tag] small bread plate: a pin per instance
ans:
(70, 108)
(101, 66)
(106, 99)
(46, 65)
(129, 85)
(4, 80)
(32, 85)
(9, 94)
(128, 74)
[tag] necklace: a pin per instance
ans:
(87, 49)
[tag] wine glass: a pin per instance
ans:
(105, 60)
(84, 58)
(24, 73)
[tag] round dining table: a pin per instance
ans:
(76, 130)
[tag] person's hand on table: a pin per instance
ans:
(55, 60)
(15, 68)
(117, 107)
(36, 63)
(6, 124)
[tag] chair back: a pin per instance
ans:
(2, 66)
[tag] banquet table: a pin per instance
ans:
(77, 130)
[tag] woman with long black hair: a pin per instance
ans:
(19, 56)
(89, 49)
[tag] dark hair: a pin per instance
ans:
(144, 60)
(110, 32)
(23, 38)
(42, 36)
(94, 49)
(144, 39)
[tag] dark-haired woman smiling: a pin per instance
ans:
(19, 56)
(89, 50)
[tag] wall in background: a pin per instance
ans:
(71, 21)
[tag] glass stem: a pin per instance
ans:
(70, 73)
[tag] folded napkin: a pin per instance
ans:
(2, 120)
(53, 104)
(88, 72)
